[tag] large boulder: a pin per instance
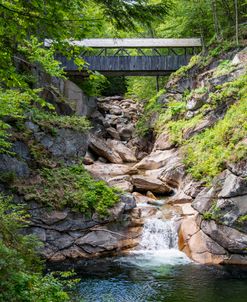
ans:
(158, 159)
(122, 182)
(124, 152)
(231, 239)
(107, 171)
(145, 183)
(197, 245)
(101, 148)
(233, 186)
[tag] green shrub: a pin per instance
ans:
(151, 107)
(206, 153)
(213, 213)
(224, 67)
(182, 71)
(21, 277)
(51, 120)
(73, 187)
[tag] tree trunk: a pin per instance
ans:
(236, 19)
(216, 21)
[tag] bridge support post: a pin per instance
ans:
(157, 84)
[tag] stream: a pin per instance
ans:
(158, 271)
(154, 270)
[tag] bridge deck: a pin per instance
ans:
(130, 65)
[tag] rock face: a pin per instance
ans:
(71, 235)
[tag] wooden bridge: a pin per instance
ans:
(126, 57)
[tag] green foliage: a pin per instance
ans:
(73, 187)
(51, 120)
(197, 91)
(12, 106)
(213, 213)
(179, 127)
(207, 152)
(182, 71)
(242, 219)
(142, 88)
(114, 86)
(21, 277)
(93, 85)
(151, 107)
(224, 67)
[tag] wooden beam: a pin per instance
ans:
(134, 43)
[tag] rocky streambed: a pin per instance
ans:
(152, 175)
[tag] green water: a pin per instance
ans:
(133, 280)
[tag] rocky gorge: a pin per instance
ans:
(149, 171)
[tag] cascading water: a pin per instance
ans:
(158, 245)
(159, 235)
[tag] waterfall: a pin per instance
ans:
(159, 235)
(158, 245)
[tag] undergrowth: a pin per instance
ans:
(71, 187)
(51, 120)
(206, 154)
(21, 278)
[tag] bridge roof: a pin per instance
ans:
(136, 43)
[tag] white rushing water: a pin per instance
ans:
(158, 245)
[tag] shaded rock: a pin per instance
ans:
(233, 186)
(113, 133)
(163, 142)
(38, 232)
(231, 239)
(66, 144)
(239, 168)
(73, 252)
(9, 164)
(145, 183)
(236, 259)
(80, 103)
(60, 241)
(21, 150)
(129, 201)
(229, 212)
(88, 159)
(125, 131)
(192, 188)
(206, 123)
(227, 77)
(31, 126)
(173, 175)
(203, 201)
(48, 217)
